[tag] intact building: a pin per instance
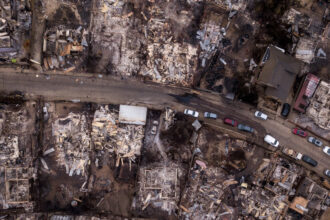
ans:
(278, 74)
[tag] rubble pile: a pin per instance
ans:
(104, 129)
(168, 61)
(64, 48)
(263, 171)
(15, 132)
(319, 109)
(203, 196)
(310, 198)
(152, 51)
(124, 140)
(16, 170)
(129, 141)
(305, 49)
(282, 179)
(169, 118)
(209, 40)
(15, 23)
(177, 68)
(9, 151)
(232, 5)
(260, 203)
(116, 40)
(158, 187)
(16, 188)
(72, 143)
(305, 29)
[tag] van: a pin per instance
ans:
(271, 140)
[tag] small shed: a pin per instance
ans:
(129, 114)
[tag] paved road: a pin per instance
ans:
(109, 90)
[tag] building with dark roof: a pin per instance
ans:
(278, 74)
(306, 92)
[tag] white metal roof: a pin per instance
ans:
(129, 114)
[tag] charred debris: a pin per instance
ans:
(91, 161)
(75, 160)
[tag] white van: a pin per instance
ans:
(271, 140)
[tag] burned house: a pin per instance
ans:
(170, 60)
(16, 156)
(158, 187)
(64, 47)
(72, 143)
(278, 74)
(261, 203)
(305, 50)
(15, 24)
(208, 187)
(318, 109)
(65, 37)
(116, 43)
(310, 198)
(119, 134)
(283, 177)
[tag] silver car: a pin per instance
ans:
(210, 115)
(245, 128)
(315, 141)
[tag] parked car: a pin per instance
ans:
(260, 115)
(315, 141)
(285, 110)
(309, 160)
(245, 128)
(230, 122)
(291, 153)
(210, 115)
(271, 140)
(299, 132)
(326, 150)
(327, 173)
(191, 113)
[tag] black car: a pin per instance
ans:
(309, 160)
(285, 110)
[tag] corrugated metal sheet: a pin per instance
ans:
(129, 114)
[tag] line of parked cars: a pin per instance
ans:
(196, 114)
(228, 121)
(268, 138)
(241, 127)
(316, 142)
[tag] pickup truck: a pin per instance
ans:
(291, 153)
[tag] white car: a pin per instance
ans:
(271, 140)
(191, 112)
(326, 150)
(260, 115)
